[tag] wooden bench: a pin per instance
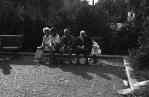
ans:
(72, 58)
(10, 44)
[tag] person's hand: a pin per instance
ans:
(39, 47)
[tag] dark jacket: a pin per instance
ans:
(85, 43)
(67, 41)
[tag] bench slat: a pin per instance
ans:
(10, 42)
(11, 47)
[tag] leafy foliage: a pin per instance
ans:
(141, 54)
(29, 16)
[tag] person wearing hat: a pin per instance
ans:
(46, 44)
(50, 39)
(52, 43)
(46, 38)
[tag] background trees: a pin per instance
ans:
(29, 16)
(141, 54)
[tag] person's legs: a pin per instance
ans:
(51, 57)
(38, 54)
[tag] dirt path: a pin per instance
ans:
(26, 79)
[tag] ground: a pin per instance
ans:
(27, 79)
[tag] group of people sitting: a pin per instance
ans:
(67, 43)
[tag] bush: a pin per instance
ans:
(29, 16)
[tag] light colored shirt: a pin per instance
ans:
(51, 41)
(95, 49)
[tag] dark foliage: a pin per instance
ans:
(29, 16)
(140, 56)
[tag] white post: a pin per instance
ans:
(133, 83)
(128, 70)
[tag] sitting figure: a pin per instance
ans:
(67, 40)
(84, 44)
(40, 49)
(95, 49)
(55, 41)
(50, 43)
(47, 39)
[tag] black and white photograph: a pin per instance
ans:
(74, 48)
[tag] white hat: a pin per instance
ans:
(46, 28)
(65, 30)
(95, 44)
(82, 32)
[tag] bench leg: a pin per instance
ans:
(51, 59)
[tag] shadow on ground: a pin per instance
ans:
(82, 70)
(102, 70)
(4, 66)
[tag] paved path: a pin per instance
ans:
(26, 79)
